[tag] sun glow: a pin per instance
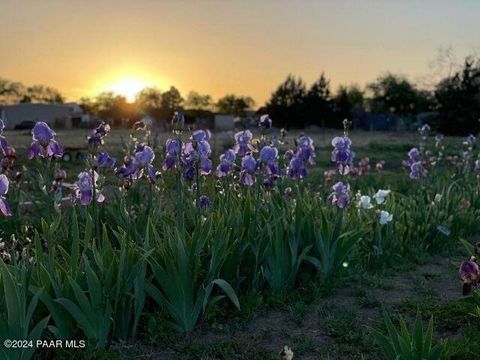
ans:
(128, 87)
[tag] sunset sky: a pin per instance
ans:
(219, 47)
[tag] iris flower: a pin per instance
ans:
(4, 207)
(340, 195)
(44, 143)
(342, 154)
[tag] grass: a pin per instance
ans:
(317, 320)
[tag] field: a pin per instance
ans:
(180, 259)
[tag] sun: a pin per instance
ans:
(129, 87)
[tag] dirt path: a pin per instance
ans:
(334, 327)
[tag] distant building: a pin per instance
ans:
(56, 115)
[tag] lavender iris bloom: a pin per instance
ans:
(142, 160)
(340, 195)
(265, 122)
(342, 154)
(97, 136)
(44, 143)
(84, 189)
(4, 207)
(243, 142)
(201, 135)
(227, 159)
(105, 160)
(196, 154)
(249, 166)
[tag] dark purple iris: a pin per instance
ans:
(204, 202)
(470, 275)
(268, 154)
(243, 142)
(97, 136)
(4, 207)
(105, 160)
(342, 154)
(265, 122)
(340, 195)
(44, 143)
(297, 169)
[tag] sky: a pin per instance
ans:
(218, 47)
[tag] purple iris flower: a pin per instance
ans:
(417, 170)
(470, 275)
(414, 163)
(249, 166)
(297, 169)
(268, 154)
(97, 136)
(141, 160)
(340, 195)
(105, 160)
(306, 150)
(173, 146)
(243, 142)
(197, 154)
(201, 135)
(227, 159)
(342, 154)
(84, 189)
(44, 143)
(265, 122)
(3, 141)
(204, 202)
(4, 207)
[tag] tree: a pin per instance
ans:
(236, 105)
(196, 101)
(458, 100)
(15, 93)
(317, 103)
(171, 101)
(149, 102)
(112, 107)
(347, 101)
(395, 94)
(286, 103)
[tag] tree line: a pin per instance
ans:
(454, 101)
